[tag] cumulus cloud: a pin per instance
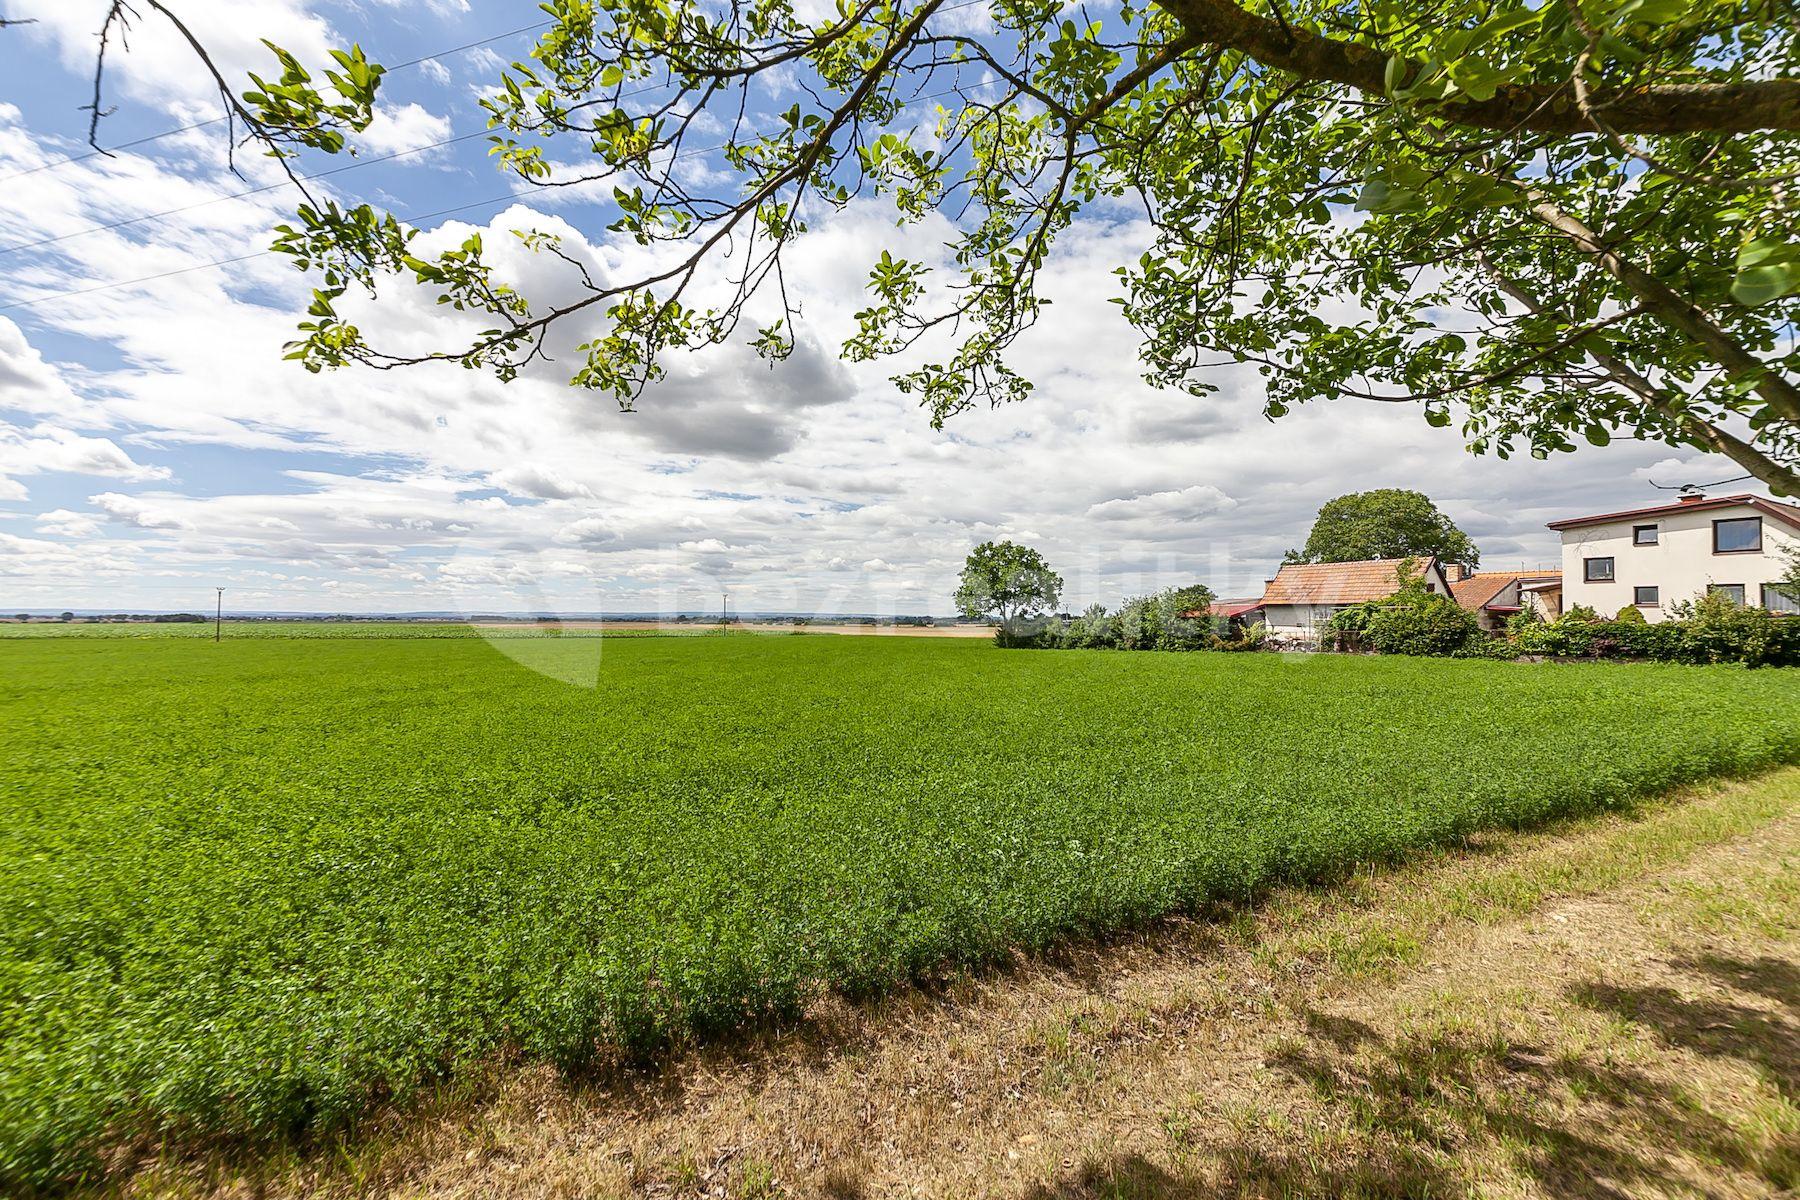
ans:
(403, 127)
(48, 448)
(27, 382)
(1186, 504)
(64, 522)
(540, 483)
(588, 531)
(128, 510)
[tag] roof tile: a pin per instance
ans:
(1336, 583)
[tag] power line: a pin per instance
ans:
(156, 137)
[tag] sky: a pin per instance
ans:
(154, 446)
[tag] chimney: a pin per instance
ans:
(1456, 572)
(1692, 495)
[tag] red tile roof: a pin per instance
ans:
(1338, 583)
(1781, 512)
(1226, 608)
(1478, 590)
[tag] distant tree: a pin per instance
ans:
(1009, 584)
(1384, 523)
(68, 616)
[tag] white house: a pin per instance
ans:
(1653, 557)
(1304, 596)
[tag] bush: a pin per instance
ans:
(1411, 621)
(1435, 625)
(1092, 630)
(1154, 622)
(1716, 629)
(1712, 629)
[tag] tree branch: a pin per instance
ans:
(1655, 109)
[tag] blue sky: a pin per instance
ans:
(153, 445)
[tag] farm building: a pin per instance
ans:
(1302, 597)
(1494, 596)
(1650, 558)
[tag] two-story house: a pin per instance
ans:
(1652, 558)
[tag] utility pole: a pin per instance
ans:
(219, 616)
(724, 608)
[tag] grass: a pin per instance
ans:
(251, 889)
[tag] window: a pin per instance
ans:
(1733, 590)
(1597, 570)
(1738, 535)
(1645, 535)
(1646, 597)
(1778, 601)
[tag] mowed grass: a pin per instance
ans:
(249, 890)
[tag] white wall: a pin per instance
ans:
(1298, 620)
(1681, 565)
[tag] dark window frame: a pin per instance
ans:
(1756, 549)
(1587, 570)
(1743, 593)
(1637, 596)
(1655, 538)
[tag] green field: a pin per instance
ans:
(251, 889)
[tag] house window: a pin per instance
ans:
(1778, 601)
(1646, 597)
(1738, 535)
(1735, 591)
(1645, 535)
(1597, 570)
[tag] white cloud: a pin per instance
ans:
(63, 522)
(540, 483)
(134, 512)
(1185, 504)
(48, 448)
(405, 127)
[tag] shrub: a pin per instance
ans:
(1716, 629)
(1092, 630)
(1155, 622)
(1432, 625)
(1631, 614)
(1411, 621)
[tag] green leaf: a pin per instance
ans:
(1378, 196)
(1769, 281)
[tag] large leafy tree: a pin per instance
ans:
(1009, 584)
(1548, 220)
(1384, 523)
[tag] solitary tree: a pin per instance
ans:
(1009, 584)
(1554, 220)
(1384, 523)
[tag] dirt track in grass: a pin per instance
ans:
(1608, 1009)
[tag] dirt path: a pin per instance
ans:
(1612, 1009)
